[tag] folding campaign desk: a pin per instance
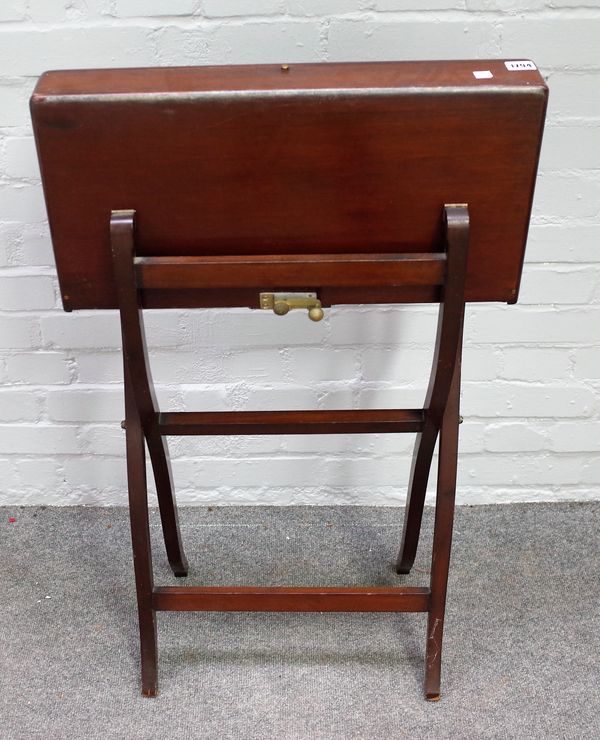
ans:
(290, 187)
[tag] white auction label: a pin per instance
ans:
(482, 74)
(520, 66)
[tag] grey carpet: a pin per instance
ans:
(521, 647)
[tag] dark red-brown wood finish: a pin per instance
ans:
(138, 383)
(313, 158)
(395, 182)
(144, 421)
(449, 330)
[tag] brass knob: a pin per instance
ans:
(315, 313)
(281, 308)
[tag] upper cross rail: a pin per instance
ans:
(290, 270)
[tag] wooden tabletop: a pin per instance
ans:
(289, 159)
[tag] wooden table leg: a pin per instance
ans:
(135, 355)
(442, 538)
(140, 537)
(159, 457)
(447, 354)
(415, 500)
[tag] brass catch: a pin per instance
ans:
(282, 303)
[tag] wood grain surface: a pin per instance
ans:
(313, 159)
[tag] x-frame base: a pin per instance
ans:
(439, 417)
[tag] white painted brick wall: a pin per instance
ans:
(531, 371)
(141, 8)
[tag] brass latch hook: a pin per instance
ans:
(282, 303)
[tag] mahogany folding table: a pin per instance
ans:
(281, 188)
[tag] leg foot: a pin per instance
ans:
(433, 657)
(148, 651)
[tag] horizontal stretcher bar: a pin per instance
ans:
(291, 422)
(287, 599)
(290, 271)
